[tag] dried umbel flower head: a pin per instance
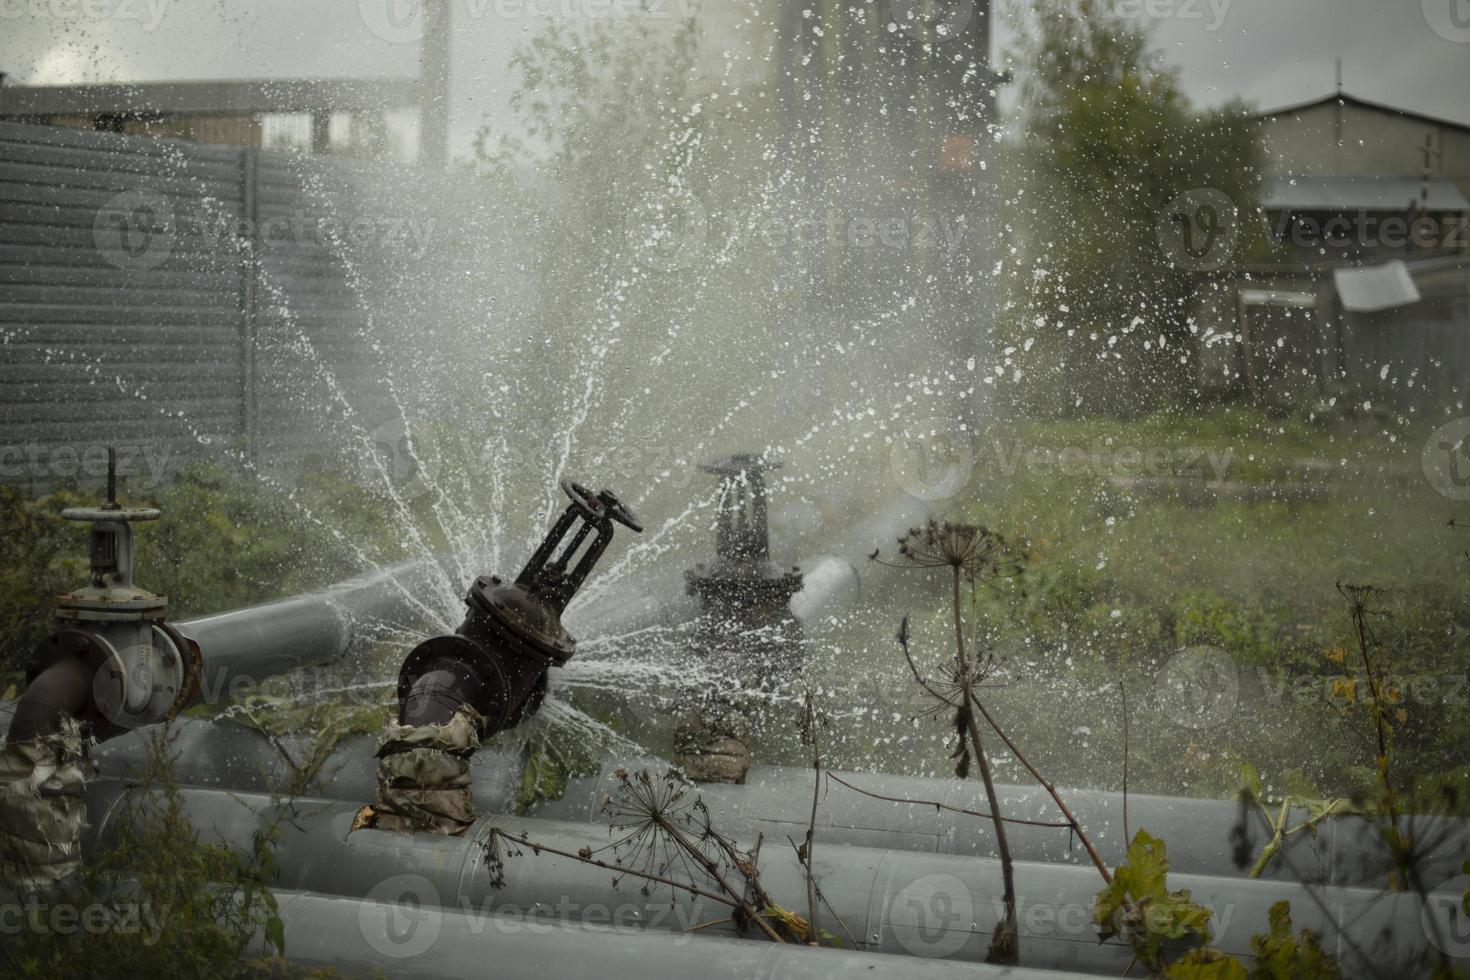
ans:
(971, 549)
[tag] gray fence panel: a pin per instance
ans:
(203, 300)
(111, 339)
(226, 298)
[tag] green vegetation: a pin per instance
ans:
(1129, 566)
(160, 901)
(1107, 142)
(1139, 907)
(226, 540)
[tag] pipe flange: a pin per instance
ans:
(191, 659)
(102, 663)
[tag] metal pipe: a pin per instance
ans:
(1345, 850)
(244, 647)
(61, 690)
(893, 901)
(1201, 833)
(403, 935)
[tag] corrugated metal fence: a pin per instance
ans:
(179, 300)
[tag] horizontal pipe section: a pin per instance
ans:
(244, 647)
(893, 901)
(775, 802)
(402, 937)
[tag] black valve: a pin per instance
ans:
(496, 662)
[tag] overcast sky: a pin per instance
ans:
(1409, 53)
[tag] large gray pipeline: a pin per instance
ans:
(244, 647)
(400, 936)
(893, 901)
(1344, 851)
(775, 801)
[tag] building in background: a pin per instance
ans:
(311, 114)
(1365, 295)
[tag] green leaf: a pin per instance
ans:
(1206, 963)
(1281, 956)
(275, 933)
(1139, 906)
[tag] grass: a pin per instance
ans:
(1121, 579)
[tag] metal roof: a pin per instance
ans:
(1358, 192)
(1352, 100)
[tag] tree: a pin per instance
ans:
(1106, 160)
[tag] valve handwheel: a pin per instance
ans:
(604, 505)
